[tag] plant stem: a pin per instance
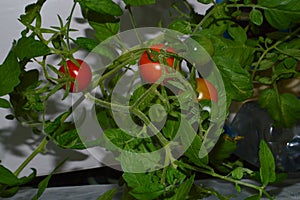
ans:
(38, 150)
(225, 178)
(134, 24)
(69, 24)
(198, 26)
(271, 48)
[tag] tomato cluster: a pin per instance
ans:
(80, 72)
(150, 67)
(151, 70)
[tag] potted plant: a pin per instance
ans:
(188, 78)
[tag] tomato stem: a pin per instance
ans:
(268, 49)
(39, 149)
(226, 178)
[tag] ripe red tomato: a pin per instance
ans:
(206, 90)
(82, 75)
(151, 70)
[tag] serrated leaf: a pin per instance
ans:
(237, 33)
(266, 64)
(102, 6)
(142, 161)
(174, 176)
(64, 134)
(181, 26)
(31, 12)
(283, 108)
(238, 84)
(281, 13)
(105, 30)
(267, 164)
(86, 43)
(139, 2)
(236, 51)
(9, 74)
(183, 190)
(108, 195)
(144, 186)
(256, 17)
(28, 47)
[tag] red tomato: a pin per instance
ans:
(82, 75)
(206, 90)
(151, 70)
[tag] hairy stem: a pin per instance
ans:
(38, 150)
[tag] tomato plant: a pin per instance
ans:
(151, 67)
(206, 90)
(80, 74)
(254, 46)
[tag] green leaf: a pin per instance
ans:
(105, 30)
(205, 1)
(183, 190)
(7, 177)
(174, 176)
(193, 153)
(9, 182)
(157, 113)
(283, 108)
(146, 101)
(108, 195)
(28, 47)
(93, 45)
(236, 51)
(254, 197)
(266, 64)
(6, 192)
(142, 162)
(31, 12)
(86, 43)
(24, 99)
(64, 134)
(281, 14)
(237, 33)
(291, 48)
(256, 17)
(44, 183)
(238, 173)
(237, 80)
(120, 139)
(144, 186)
(9, 74)
(222, 150)
(4, 103)
(267, 164)
(139, 2)
(102, 6)
(170, 128)
(181, 26)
